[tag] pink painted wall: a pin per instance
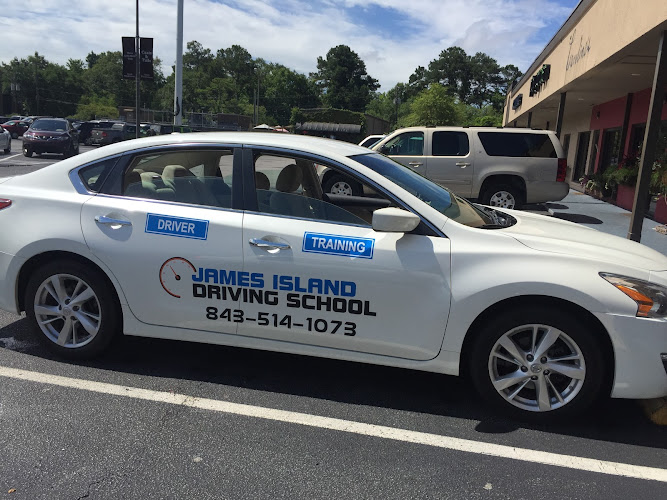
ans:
(611, 115)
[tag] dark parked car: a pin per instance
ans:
(16, 128)
(116, 133)
(85, 128)
(51, 135)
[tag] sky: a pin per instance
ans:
(392, 37)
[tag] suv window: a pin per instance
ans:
(517, 144)
(450, 144)
(407, 144)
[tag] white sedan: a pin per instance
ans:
(5, 140)
(227, 238)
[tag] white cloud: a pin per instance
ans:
(290, 32)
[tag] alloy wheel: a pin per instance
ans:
(537, 367)
(67, 310)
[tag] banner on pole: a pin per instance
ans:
(129, 64)
(146, 63)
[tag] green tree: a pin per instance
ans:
(284, 89)
(343, 80)
(433, 106)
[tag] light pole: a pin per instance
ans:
(178, 73)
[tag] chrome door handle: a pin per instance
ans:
(269, 245)
(462, 164)
(415, 164)
(103, 219)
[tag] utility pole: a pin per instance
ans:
(137, 58)
(178, 73)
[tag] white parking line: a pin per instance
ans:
(379, 431)
(10, 157)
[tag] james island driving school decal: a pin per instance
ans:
(332, 244)
(170, 225)
(180, 278)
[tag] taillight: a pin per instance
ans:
(562, 169)
(4, 203)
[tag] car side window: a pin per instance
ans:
(292, 187)
(450, 143)
(197, 177)
(517, 144)
(406, 144)
(93, 176)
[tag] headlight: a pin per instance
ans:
(651, 298)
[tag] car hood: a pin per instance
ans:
(549, 234)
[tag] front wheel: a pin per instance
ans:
(502, 196)
(73, 307)
(538, 363)
(27, 151)
(340, 184)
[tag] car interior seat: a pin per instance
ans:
(287, 201)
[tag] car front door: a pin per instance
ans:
(450, 162)
(408, 149)
(324, 277)
(168, 230)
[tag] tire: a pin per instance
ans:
(15, 135)
(9, 147)
(27, 151)
(340, 184)
(72, 329)
(506, 372)
(502, 195)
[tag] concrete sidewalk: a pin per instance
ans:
(588, 211)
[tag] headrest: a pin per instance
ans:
(289, 179)
(262, 181)
(171, 171)
(131, 177)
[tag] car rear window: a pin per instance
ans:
(517, 144)
(93, 176)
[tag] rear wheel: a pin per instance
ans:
(538, 363)
(502, 196)
(73, 307)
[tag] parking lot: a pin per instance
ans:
(163, 419)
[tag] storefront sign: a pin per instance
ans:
(580, 51)
(539, 79)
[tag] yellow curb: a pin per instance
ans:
(656, 410)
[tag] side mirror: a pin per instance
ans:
(394, 220)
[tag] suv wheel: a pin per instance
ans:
(339, 184)
(27, 151)
(502, 196)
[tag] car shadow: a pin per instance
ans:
(617, 421)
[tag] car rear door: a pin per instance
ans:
(450, 160)
(171, 235)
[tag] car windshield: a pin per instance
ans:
(49, 125)
(436, 196)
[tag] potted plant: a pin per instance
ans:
(622, 178)
(658, 188)
(593, 184)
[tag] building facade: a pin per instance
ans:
(593, 83)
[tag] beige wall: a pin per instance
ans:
(607, 27)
